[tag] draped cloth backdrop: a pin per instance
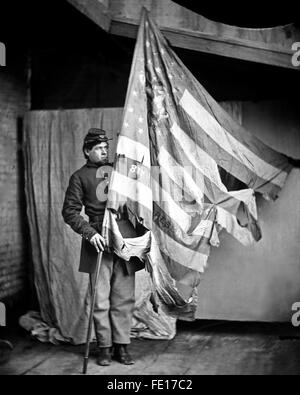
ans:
(53, 152)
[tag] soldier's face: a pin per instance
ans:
(99, 153)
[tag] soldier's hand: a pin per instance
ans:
(98, 242)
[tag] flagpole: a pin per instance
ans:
(91, 318)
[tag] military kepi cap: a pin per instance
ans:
(95, 136)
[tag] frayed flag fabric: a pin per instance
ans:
(177, 154)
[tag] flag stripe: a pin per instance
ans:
(179, 272)
(224, 139)
(208, 167)
(169, 199)
(180, 175)
(237, 131)
(175, 293)
(226, 161)
(134, 150)
(176, 191)
(191, 259)
(141, 212)
(198, 157)
(182, 219)
(169, 227)
(204, 228)
(133, 170)
(131, 189)
(179, 216)
(185, 279)
(229, 202)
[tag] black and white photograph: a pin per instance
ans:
(149, 191)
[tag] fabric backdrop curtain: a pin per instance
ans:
(53, 142)
(53, 152)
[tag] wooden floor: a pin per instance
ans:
(201, 347)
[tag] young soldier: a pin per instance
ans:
(115, 293)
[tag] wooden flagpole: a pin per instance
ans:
(91, 318)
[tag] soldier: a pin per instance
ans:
(116, 289)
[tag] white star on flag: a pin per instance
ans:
(142, 78)
(133, 169)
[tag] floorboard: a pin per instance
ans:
(199, 348)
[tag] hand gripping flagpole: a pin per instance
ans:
(91, 318)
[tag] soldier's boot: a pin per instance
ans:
(104, 356)
(122, 355)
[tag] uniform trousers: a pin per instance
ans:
(115, 300)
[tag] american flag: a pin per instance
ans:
(177, 153)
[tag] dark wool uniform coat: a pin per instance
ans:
(82, 191)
